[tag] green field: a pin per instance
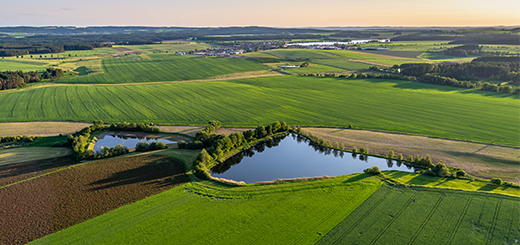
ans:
(429, 216)
(388, 105)
(166, 47)
(195, 214)
(344, 64)
(12, 64)
(313, 68)
(168, 68)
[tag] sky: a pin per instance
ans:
(275, 13)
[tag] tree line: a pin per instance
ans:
(18, 79)
(19, 49)
(216, 146)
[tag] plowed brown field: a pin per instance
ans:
(41, 206)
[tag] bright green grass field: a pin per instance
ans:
(313, 68)
(171, 68)
(170, 47)
(377, 104)
(12, 64)
(294, 213)
(344, 64)
(430, 216)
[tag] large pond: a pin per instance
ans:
(113, 139)
(294, 157)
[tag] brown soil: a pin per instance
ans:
(41, 206)
(12, 173)
(477, 159)
(188, 130)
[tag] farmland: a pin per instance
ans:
(419, 216)
(387, 105)
(298, 212)
(124, 70)
(70, 196)
(303, 213)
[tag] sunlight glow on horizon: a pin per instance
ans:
(303, 13)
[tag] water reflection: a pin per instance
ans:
(126, 140)
(292, 157)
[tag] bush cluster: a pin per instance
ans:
(373, 170)
(154, 145)
(499, 182)
(9, 139)
(211, 128)
(106, 151)
(140, 127)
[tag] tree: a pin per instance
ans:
(390, 154)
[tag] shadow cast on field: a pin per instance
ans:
(159, 174)
(35, 166)
(358, 178)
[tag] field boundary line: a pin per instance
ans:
(394, 219)
(494, 222)
(363, 216)
(426, 219)
(452, 235)
(330, 215)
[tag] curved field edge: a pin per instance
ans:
(375, 104)
(300, 213)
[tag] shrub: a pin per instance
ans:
(373, 170)
(390, 154)
(497, 181)
(354, 150)
(362, 150)
(399, 157)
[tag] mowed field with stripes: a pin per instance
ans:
(376, 104)
(165, 68)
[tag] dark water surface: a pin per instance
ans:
(293, 157)
(128, 141)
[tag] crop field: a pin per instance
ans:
(24, 154)
(423, 216)
(12, 173)
(298, 213)
(167, 69)
(81, 53)
(482, 160)
(344, 64)
(313, 68)
(13, 64)
(166, 47)
(40, 206)
(377, 104)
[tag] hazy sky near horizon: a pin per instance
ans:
(302, 13)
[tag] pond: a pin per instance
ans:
(294, 157)
(112, 139)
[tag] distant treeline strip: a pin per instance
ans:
(18, 49)
(457, 38)
(18, 79)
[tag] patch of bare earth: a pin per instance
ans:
(188, 130)
(40, 128)
(12, 173)
(41, 206)
(477, 159)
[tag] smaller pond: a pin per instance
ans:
(113, 139)
(294, 157)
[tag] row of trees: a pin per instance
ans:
(105, 152)
(9, 139)
(217, 146)
(140, 127)
(154, 145)
(19, 49)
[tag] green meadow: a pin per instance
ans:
(197, 214)
(376, 104)
(126, 70)
(13, 64)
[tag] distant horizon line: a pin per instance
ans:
(280, 27)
